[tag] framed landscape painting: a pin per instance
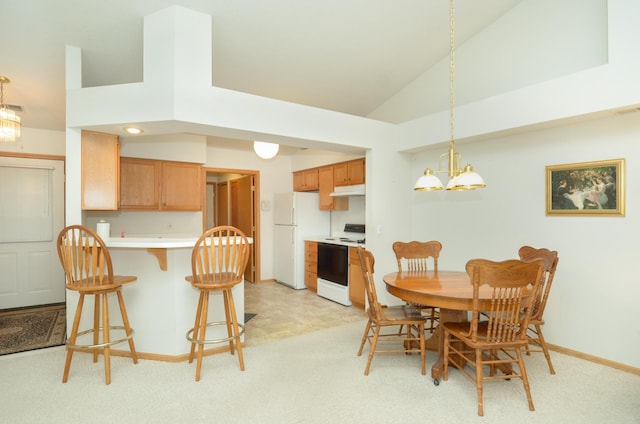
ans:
(586, 188)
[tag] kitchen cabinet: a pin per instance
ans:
(181, 186)
(356, 280)
(325, 186)
(160, 185)
(305, 180)
(139, 184)
(100, 169)
(311, 265)
(349, 173)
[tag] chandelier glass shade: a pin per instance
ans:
(9, 122)
(265, 150)
(459, 178)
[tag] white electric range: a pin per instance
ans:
(333, 263)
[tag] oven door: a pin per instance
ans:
(333, 263)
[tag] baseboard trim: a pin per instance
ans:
(595, 359)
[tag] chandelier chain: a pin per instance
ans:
(452, 36)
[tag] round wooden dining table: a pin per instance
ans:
(451, 291)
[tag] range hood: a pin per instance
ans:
(350, 190)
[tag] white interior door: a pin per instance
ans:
(31, 215)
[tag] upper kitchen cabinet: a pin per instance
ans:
(325, 186)
(139, 184)
(181, 186)
(100, 174)
(160, 185)
(306, 180)
(349, 173)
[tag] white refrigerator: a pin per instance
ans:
(297, 216)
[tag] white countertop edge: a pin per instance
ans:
(153, 242)
(335, 241)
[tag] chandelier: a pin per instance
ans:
(459, 178)
(9, 121)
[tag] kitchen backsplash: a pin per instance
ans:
(355, 215)
(148, 223)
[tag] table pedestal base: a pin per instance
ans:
(436, 341)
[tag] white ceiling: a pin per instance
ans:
(342, 55)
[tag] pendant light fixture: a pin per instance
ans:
(9, 121)
(460, 178)
(265, 150)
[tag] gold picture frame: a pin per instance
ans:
(586, 188)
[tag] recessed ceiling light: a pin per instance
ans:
(133, 130)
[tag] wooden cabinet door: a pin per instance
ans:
(356, 280)
(139, 184)
(298, 181)
(100, 171)
(349, 173)
(355, 170)
(325, 185)
(306, 180)
(181, 186)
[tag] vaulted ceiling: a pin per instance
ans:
(342, 55)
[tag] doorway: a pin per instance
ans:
(231, 200)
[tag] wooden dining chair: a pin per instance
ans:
(499, 340)
(415, 256)
(534, 331)
(218, 261)
(411, 340)
(88, 270)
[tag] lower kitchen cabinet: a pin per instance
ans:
(356, 280)
(311, 265)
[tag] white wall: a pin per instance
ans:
(35, 141)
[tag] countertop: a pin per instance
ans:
(159, 242)
(336, 240)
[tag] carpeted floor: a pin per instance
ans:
(32, 328)
(310, 378)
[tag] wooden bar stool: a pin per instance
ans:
(88, 270)
(217, 263)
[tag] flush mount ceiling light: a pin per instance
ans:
(460, 178)
(265, 150)
(9, 122)
(133, 130)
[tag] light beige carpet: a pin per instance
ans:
(310, 378)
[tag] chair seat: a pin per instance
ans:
(462, 330)
(217, 281)
(118, 280)
(401, 313)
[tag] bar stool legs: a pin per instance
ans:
(100, 305)
(197, 335)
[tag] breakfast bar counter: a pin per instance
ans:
(161, 304)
